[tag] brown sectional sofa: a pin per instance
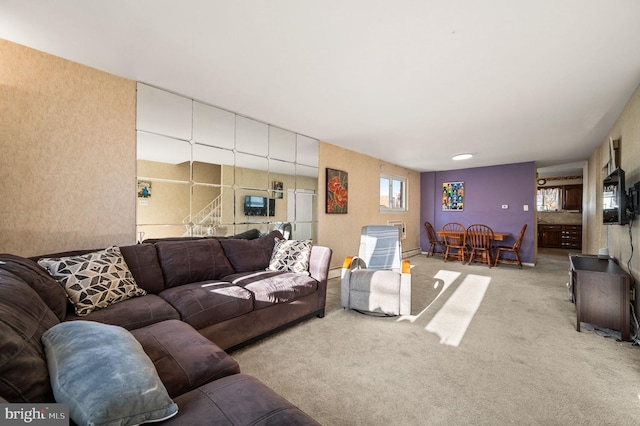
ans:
(203, 296)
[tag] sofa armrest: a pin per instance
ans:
(319, 270)
(319, 263)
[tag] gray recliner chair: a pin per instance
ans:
(377, 281)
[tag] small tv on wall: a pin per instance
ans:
(259, 206)
(614, 199)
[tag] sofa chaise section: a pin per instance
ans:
(201, 379)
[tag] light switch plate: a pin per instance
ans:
(525, 207)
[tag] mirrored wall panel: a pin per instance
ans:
(205, 171)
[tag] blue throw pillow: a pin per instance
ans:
(104, 375)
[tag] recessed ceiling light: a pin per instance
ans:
(462, 156)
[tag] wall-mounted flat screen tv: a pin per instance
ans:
(259, 206)
(614, 199)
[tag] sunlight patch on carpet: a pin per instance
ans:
(444, 279)
(453, 319)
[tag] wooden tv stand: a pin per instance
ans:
(601, 293)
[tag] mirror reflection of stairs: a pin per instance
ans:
(206, 221)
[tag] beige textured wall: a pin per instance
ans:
(341, 232)
(67, 169)
(616, 237)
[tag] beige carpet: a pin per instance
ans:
(496, 347)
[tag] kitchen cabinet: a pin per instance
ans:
(550, 236)
(572, 197)
(560, 236)
(571, 236)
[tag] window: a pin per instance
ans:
(548, 199)
(393, 191)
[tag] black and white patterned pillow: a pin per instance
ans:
(94, 280)
(291, 256)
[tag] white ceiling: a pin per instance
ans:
(410, 82)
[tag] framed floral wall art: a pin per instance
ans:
(452, 196)
(337, 194)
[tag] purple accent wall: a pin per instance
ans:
(486, 190)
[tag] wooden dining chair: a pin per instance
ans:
(455, 241)
(480, 238)
(515, 249)
(434, 241)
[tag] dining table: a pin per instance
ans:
(497, 236)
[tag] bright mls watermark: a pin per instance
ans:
(34, 414)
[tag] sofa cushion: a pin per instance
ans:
(132, 313)
(183, 357)
(192, 261)
(143, 263)
(209, 302)
(24, 317)
(291, 256)
(104, 375)
(237, 400)
(38, 279)
(270, 287)
(94, 280)
(250, 255)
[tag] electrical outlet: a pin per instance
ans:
(505, 206)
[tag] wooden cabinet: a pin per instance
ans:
(572, 197)
(571, 236)
(562, 197)
(601, 293)
(560, 236)
(550, 236)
